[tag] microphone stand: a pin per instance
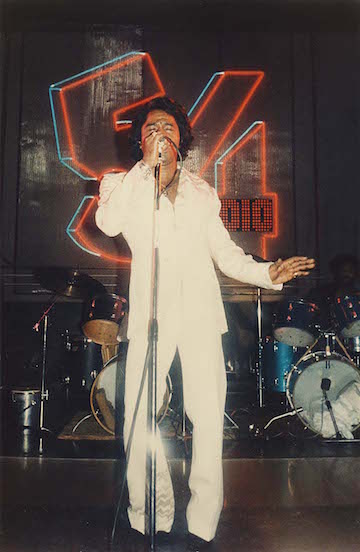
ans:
(44, 392)
(150, 502)
(150, 369)
(325, 386)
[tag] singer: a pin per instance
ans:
(191, 315)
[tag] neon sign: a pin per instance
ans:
(252, 215)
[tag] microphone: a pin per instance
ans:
(325, 384)
(161, 143)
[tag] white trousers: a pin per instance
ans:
(204, 389)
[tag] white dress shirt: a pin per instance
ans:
(191, 238)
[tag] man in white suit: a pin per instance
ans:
(191, 237)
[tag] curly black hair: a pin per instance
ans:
(169, 106)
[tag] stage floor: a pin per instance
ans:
(280, 496)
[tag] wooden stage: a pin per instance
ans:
(280, 496)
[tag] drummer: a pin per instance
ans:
(344, 269)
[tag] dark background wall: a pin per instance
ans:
(309, 100)
(49, 193)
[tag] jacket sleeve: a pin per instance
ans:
(115, 192)
(231, 258)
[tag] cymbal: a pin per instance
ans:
(69, 282)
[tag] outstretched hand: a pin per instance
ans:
(284, 271)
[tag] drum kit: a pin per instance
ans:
(90, 361)
(313, 360)
(103, 396)
(311, 363)
(102, 320)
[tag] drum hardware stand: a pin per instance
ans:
(183, 421)
(44, 393)
(230, 369)
(180, 420)
(344, 349)
(329, 345)
(233, 424)
(326, 382)
(260, 375)
(259, 371)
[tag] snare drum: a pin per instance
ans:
(347, 315)
(278, 361)
(102, 397)
(296, 323)
(103, 315)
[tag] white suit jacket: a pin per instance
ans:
(191, 236)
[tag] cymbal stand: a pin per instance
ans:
(260, 375)
(178, 420)
(344, 349)
(233, 424)
(44, 392)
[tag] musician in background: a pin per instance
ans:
(345, 272)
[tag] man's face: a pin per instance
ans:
(347, 273)
(162, 124)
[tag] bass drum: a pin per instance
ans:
(102, 396)
(303, 387)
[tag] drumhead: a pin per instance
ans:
(24, 391)
(295, 322)
(102, 396)
(303, 388)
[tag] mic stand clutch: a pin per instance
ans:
(325, 386)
